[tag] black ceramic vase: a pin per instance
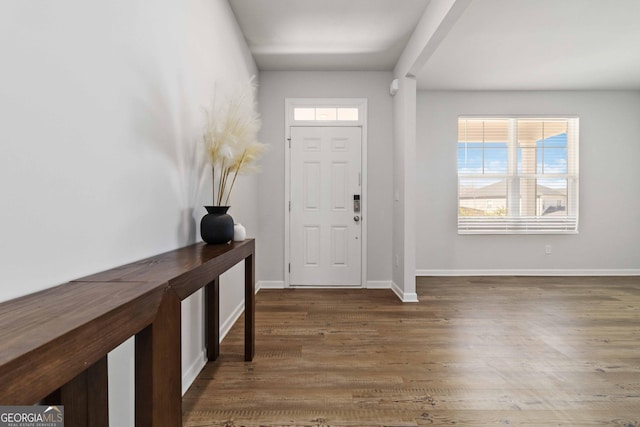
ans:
(217, 225)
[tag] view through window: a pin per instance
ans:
(517, 175)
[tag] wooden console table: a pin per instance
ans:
(53, 344)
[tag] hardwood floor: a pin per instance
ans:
(477, 351)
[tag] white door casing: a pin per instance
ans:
(325, 229)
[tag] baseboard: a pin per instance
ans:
(279, 284)
(379, 284)
(229, 322)
(190, 375)
(326, 287)
(404, 296)
(531, 272)
(270, 284)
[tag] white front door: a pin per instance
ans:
(325, 223)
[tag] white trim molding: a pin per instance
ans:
(199, 362)
(325, 287)
(190, 375)
(531, 272)
(269, 284)
(233, 318)
(379, 284)
(404, 296)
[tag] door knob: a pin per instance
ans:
(356, 218)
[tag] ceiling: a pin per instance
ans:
(494, 45)
(538, 45)
(327, 34)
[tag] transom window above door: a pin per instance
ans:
(517, 175)
(325, 114)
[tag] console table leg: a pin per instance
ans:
(158, 368)
(249, 308)
(85, 398)
(212, 319)
(98, 397)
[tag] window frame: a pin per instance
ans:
(325, 103)
(513, 222)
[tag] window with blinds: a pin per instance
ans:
(517, 175)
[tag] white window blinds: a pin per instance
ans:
(517, 175)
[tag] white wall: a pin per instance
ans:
(101, 111)
(609, 186)
(275, 86)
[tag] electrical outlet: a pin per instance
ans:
(397, 261)
(547, 250)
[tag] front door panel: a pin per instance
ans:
(325, 231)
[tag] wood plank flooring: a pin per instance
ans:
(476, 351)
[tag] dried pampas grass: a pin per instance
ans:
(231, 140)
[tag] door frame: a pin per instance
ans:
(290, 105)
